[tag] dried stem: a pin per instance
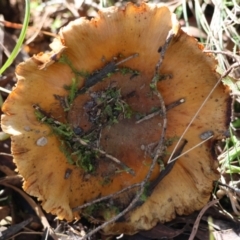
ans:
(229, 54)
(159, 112)
(127, 59)
(106, 197)
(189, 150)
(196, 224)
(100, 75)
(6, 154)
(114, 159)
(5, 90)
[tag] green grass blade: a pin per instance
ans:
(20, 39)
(185, 15)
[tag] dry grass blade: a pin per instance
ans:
(1, 41)
(34, 206)
(19, 26)
(5, 90)
(195, 227)
(182, 154)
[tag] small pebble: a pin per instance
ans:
(27, 128)
(68, 173)
(142, 147)
(206, 135)
(42, 141)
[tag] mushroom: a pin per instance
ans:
(85, 122)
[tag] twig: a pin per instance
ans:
(232, 194)
(101, 74)
(166, 171)
(234, 202)
(5, 90)
(106, 197)
(196, 224)
(20, 26)
(159, 112)
(6, 154)
(159, 147)
(114, 159)
(236, 190)
(127, 59)
(233, 116)
(38, 29)
(175, 158)
(229, 54)
(59, 235)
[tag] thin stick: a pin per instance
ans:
(20, 26)
(106, 197)
(114, 159)
(5, 90)
(196, 224)
(200, 108)
(6, 154)
(98, 76)
(126, 59)
(234, 202)
(159, 112)
(167, 169)
(224, 53)
(189, 150)
(159, 147)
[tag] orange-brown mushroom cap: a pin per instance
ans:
(89, 46)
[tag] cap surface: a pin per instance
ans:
(104, 116)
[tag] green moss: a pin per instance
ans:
(109, 107)
(169, 141)
(100, 210)
(92, 209)
(110, 212)
(65, 60)
(144, 195)
(107, 110)
(83, 157)
(126, 70)
(106, 181)
(72, 91)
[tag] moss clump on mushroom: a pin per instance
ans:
(103, 109)
(124, 149)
